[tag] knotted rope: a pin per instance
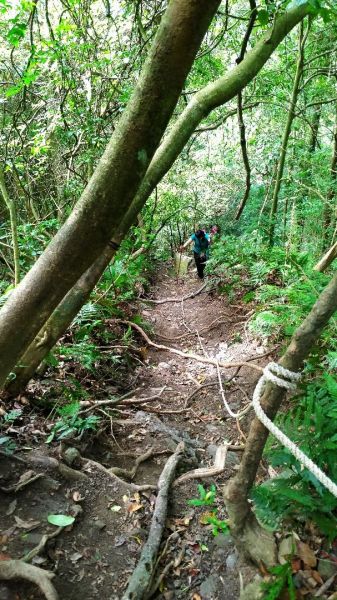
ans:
(283, 378)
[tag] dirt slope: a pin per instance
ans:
(96, 555)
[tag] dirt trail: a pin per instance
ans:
(96, 556)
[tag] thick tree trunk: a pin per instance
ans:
(286, 135)
(213, 95)
(237, 491)
(110, 191)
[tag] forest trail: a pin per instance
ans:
(97, 555)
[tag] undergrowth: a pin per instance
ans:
(280, 285)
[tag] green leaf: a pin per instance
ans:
(263, 16)
(60, 520)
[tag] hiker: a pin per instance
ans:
(213, 231)
(201, 241)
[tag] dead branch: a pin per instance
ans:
(17, 569)
(216, 469)
(202, 359)
(141, 578)
(164, 300)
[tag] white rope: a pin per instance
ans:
(287, 379)
(284, 378)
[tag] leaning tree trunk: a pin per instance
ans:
(114, 183)
(327, 259)
(204, 101)
(286, 134)
(237, 491)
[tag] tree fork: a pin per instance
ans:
(114, 183)
(223, 89)
(237, 491)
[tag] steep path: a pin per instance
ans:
(174, 399)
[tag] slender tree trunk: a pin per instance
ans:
(286, 134)
(14, 226)
(210, 97)
(314, 128)
(110, 191)
(241, 122)
(237, 491)
(329, 212)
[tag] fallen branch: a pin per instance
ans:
(17, 569)
(193, 295)
(141, 578)
(216, 469)
(202, 359)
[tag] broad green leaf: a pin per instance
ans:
(60, 520)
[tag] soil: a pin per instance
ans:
(96, 555)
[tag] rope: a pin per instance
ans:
(284, 378)
(288, 380)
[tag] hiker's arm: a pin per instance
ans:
(183, 246)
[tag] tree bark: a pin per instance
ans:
(237, 491)
(109, 193)
(286, 134)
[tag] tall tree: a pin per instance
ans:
(211, 96)
(114, 183)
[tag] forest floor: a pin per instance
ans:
(97, 554)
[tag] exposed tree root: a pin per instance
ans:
(216, 469)
(21, 484)
(202, 359)
(17, 569)
(164, 300)
(140, 580)
(41, 545)
(214, 324)
(123, 400)
(129, 475)
(96, 465)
